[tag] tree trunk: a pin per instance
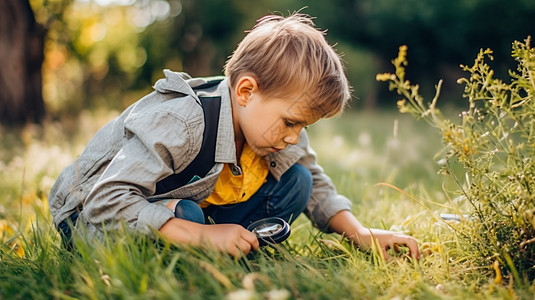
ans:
(21, 58)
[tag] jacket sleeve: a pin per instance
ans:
(155, 144)
(324, 202)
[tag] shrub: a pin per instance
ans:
(494, 142)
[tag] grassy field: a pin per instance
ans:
(385, 162)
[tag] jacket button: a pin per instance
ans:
(273, 164)
(235, 170)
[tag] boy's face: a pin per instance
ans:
(270, 124)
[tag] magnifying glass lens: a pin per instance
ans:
(271, 230)
(267, 230)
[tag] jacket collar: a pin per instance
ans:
(175, 82)
(225, 147)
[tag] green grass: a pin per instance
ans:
(359, 151)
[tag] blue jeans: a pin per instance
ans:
(285, 199)
(65, 230)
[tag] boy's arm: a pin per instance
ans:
(345, 223)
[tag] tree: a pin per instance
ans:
(21, 57)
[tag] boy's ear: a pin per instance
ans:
(245, 88)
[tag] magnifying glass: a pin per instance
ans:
(271, 230)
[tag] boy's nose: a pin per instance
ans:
(291, 139)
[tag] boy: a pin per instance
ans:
(282, 77)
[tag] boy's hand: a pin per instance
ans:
(228, 238)
(345, 223)
(386, 240)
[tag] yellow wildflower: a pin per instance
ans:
(402, 56)
(16, 246)
(385, 77)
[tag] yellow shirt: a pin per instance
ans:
(231, 189)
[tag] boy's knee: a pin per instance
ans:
(189, 210)
(300, 179)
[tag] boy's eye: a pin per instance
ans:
(288, 123)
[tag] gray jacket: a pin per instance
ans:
(159, 135)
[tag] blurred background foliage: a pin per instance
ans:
(108, 53)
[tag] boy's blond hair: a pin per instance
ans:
(290, 53)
